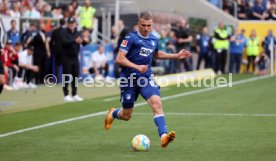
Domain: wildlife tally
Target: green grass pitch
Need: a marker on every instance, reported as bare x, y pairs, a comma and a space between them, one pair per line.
216, 125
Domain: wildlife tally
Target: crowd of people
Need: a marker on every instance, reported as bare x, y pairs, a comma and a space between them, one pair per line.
42, 50
248, 9
40, 8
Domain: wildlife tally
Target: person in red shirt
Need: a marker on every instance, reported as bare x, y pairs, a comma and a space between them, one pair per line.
7, 57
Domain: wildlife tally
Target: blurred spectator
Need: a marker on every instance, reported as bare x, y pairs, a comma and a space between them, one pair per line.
213, 53
86, 16
41, 53
99, 63
262, 62
57, 13
28, 35
252, 49
14, 60
27, 68
184, 40
26, 3
242, 11
6, 8
165, 45
270, 39
221, 45
271, 10
171, 48
15, 12
203, 48
265, 4
31, 12
237, 45
259, 12
46, 11
121, 31
76, 7
9, 67
56, 46
13, 34
216, 3
156, 31
228, 7
114, 35
69, 12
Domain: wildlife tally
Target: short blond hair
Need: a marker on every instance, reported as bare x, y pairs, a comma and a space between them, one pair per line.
146, 16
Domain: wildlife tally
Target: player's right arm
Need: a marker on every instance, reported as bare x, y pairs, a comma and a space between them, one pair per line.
123, 61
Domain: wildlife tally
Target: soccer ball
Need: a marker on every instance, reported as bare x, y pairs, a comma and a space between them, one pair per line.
140, 143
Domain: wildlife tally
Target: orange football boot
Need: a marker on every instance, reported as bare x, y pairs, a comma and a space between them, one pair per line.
108, 119
167, 138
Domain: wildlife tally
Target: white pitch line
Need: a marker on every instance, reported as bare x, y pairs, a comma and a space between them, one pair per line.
138, 104
111, 99
211, 114
53, 124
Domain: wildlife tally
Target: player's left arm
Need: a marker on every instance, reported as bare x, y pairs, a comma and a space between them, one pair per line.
180, 55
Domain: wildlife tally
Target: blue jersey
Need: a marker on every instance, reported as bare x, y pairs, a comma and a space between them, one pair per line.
140, 50
203, 43
237, 48
13, 36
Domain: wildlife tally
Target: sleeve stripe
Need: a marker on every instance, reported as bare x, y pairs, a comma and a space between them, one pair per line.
124, 50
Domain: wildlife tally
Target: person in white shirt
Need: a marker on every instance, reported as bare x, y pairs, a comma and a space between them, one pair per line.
31, 13
15, 12
99, 63
27, 69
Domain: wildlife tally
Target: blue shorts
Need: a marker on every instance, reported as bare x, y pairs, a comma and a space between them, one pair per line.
145, 87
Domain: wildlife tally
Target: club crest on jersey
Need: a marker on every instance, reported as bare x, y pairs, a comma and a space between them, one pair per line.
128, 96
124, 43
145, 51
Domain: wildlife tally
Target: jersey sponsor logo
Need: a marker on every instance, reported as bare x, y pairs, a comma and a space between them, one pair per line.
124, 43
145, 51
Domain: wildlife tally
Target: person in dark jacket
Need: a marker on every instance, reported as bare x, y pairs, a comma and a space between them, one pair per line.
71, 40
123, 31
42, 53
56, 46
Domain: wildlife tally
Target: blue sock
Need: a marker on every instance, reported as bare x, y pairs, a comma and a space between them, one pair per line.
115, 113
160, 122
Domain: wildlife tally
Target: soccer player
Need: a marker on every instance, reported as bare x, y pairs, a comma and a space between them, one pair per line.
135, 56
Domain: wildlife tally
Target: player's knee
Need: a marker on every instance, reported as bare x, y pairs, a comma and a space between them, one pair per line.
156, 104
